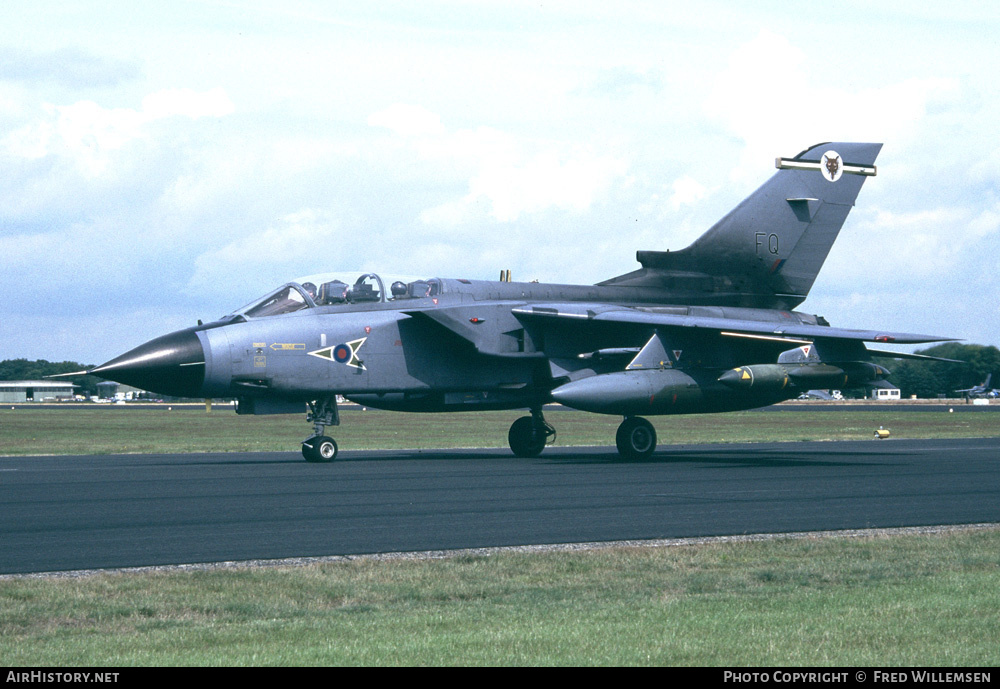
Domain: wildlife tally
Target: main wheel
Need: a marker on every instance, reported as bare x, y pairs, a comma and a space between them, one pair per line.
319, 449
524, 439
636, 438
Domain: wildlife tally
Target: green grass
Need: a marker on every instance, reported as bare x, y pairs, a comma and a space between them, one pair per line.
900, 600
102, 429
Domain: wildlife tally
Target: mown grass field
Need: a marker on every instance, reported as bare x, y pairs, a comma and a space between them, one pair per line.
111, 429
873, 601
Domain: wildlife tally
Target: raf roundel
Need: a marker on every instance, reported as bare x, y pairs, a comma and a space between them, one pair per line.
342, 353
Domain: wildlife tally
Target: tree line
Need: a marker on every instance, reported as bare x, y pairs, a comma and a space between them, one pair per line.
930, 379
23, 369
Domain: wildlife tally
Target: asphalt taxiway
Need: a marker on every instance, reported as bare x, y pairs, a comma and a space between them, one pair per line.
82, 512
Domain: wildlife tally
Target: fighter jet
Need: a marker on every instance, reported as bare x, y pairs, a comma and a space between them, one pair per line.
709, 328
981, 390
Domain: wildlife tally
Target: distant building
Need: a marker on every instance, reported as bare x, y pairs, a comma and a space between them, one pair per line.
885, 392
110, 390
13, 391
106, 389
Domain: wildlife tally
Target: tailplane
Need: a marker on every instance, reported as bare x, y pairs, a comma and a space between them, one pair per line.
767, 251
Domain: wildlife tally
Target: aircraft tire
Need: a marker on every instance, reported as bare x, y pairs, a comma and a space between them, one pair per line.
320, 449
636, 438
523, 440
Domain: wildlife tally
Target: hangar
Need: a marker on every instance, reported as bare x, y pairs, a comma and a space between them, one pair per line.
34, 390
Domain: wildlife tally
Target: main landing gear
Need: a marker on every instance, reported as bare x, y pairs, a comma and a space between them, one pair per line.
528, 436
636, 438
319, 447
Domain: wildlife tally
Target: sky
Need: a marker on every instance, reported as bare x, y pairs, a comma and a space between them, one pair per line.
164, 162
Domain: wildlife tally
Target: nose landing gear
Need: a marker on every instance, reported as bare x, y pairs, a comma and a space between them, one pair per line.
529, 435
318, 447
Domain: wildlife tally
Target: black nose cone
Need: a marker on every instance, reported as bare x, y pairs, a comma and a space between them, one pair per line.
170, 365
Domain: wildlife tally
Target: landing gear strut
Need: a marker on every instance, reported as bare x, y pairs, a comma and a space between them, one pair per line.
636, 438
318, 447
529, 435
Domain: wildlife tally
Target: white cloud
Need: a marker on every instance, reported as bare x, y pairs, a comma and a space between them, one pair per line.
986, 224
408, 120
766, 97
186, 103
687, 191
892, 250
508, 176
566, 180
276, 254
89, 134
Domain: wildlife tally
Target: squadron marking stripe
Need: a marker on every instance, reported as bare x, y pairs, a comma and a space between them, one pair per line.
845, 168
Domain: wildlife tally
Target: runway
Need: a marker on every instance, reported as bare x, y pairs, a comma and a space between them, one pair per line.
82, 512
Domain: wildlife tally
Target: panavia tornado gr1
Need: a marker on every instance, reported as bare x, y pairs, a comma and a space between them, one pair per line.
709, 328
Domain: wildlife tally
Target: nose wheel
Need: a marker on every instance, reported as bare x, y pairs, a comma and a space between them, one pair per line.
529, 435
319, 447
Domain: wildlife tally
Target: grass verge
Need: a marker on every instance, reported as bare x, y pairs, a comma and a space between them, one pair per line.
109, 430
915, 599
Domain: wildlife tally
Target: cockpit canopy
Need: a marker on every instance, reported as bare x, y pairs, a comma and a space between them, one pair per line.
328, 290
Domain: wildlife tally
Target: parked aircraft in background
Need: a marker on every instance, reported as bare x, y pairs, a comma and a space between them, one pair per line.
981, 390
826, 395
709, 328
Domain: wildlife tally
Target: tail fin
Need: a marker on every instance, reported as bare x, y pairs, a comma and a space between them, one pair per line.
768, 250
